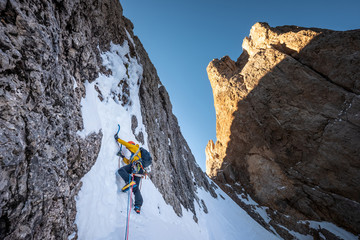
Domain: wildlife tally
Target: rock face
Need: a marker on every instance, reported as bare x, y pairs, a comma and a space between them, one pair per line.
48, 50
175, 172
288, 125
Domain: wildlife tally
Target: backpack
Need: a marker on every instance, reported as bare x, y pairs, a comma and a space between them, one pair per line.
146, 159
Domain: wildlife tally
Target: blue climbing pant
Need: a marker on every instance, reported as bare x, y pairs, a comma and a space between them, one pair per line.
124, 172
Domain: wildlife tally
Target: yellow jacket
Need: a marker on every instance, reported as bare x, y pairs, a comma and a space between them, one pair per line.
132, 148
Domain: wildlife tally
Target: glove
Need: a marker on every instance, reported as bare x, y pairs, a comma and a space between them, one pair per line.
120, 154
116, 137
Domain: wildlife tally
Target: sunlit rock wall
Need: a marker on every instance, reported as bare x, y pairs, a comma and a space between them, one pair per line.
288, 125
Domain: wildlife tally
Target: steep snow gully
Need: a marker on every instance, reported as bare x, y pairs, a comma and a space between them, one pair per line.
101, 206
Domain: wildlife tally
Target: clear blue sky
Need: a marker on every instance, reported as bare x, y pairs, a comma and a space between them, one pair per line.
182, 37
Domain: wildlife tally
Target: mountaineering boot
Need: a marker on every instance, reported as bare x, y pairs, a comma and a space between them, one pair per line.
137, 209
127, 186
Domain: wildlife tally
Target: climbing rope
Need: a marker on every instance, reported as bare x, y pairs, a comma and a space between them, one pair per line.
131, 178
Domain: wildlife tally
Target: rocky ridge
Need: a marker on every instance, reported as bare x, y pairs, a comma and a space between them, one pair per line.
48, 50
288, 127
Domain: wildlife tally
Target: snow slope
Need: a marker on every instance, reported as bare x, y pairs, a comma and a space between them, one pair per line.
101, 207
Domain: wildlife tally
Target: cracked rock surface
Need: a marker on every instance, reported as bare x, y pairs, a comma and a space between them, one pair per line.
288, 125
48, 50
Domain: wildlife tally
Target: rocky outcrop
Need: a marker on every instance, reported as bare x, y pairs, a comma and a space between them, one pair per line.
43, 59
174, 172
48, 50
288, 125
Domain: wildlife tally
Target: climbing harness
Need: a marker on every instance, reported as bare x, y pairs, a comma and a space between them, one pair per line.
137, 166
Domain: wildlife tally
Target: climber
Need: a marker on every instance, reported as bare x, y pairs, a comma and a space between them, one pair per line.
139, 159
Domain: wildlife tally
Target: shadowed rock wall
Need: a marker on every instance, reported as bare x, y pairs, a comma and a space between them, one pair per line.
49, 49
